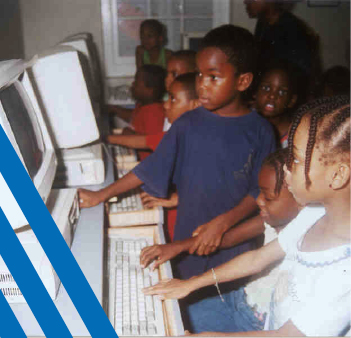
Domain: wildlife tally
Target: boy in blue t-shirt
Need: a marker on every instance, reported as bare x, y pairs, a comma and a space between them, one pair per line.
212, 154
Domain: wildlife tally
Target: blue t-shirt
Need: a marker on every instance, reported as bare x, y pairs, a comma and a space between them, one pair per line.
214, 162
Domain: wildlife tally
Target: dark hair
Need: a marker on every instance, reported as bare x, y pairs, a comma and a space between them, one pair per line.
188, 56
277, 160
235, 42
159, 27
188, 81
338, 79
329, 119
154, 77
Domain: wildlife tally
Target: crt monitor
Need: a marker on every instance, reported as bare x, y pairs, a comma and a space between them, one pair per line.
58, 79
83, 42
23, 123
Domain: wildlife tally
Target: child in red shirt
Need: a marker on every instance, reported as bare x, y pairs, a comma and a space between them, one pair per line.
147, 118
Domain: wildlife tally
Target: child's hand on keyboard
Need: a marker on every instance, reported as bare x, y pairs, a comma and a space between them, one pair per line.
159, 254
88, 198
171, 289
151, 201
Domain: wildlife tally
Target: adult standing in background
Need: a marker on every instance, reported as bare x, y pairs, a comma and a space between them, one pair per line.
281, 35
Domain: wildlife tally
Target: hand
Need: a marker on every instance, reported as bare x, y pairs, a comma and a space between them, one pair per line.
152, 201
88, 198
158, 253
208, 237
170, 288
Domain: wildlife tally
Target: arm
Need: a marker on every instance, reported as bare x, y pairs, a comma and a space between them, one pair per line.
88, 198
131, 141
209, 235
242, 232
247, 264
123, 113
150, 201
164, 252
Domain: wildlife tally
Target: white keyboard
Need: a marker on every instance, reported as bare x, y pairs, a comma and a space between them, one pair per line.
130, 311
129, 201
124, 154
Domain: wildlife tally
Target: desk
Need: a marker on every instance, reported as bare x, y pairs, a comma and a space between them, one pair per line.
87, 248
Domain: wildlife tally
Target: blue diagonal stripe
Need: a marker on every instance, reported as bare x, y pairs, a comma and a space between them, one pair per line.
53, 243
29, 283
12, 328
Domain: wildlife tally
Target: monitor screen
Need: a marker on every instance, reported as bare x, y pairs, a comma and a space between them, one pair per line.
22, 120
28, 139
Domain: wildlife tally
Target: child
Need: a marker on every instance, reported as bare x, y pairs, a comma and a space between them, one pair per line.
180, 62
182, 97
275, 98
212, 154
148, 117
278, 208
151, 50
312, 294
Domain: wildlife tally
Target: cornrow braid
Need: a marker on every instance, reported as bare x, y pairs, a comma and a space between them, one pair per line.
329, 122
276, 161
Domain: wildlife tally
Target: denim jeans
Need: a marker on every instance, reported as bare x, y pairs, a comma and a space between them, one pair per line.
234, 315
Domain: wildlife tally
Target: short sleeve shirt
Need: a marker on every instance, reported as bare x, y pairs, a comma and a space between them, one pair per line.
214, 162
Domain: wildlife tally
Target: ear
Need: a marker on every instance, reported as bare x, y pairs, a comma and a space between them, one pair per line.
292, 101
244, 81
341, 176
194, 103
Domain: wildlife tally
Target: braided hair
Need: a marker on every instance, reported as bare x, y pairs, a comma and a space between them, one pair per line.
276, 161
329, 119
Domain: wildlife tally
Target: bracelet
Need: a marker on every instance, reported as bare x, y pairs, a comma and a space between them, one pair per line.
217, 286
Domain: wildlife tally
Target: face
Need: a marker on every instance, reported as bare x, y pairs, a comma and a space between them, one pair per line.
139, 90
149, 38
216, 83
318, 173
276, 210
274, 96
175, 67
178, 102
254, 7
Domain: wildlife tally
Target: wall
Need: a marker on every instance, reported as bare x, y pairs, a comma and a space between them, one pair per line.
11, 37
331, 23
47, 22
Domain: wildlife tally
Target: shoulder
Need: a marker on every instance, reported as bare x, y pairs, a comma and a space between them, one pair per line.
260, 122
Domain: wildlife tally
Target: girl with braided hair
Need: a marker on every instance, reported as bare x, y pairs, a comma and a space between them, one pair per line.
312, 293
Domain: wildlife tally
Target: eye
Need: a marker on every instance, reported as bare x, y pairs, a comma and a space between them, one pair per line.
198, 74
213, 77
174, 74
265, 88
282, 92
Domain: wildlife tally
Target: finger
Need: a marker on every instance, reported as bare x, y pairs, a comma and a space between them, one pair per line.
159, 261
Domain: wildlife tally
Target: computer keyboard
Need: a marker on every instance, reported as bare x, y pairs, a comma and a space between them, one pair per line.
130, 311
128, 210
124, 154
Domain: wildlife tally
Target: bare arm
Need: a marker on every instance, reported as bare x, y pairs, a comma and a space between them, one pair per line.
209, 235
242, 232
123, 113
247, 264
88, 198
131, 141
